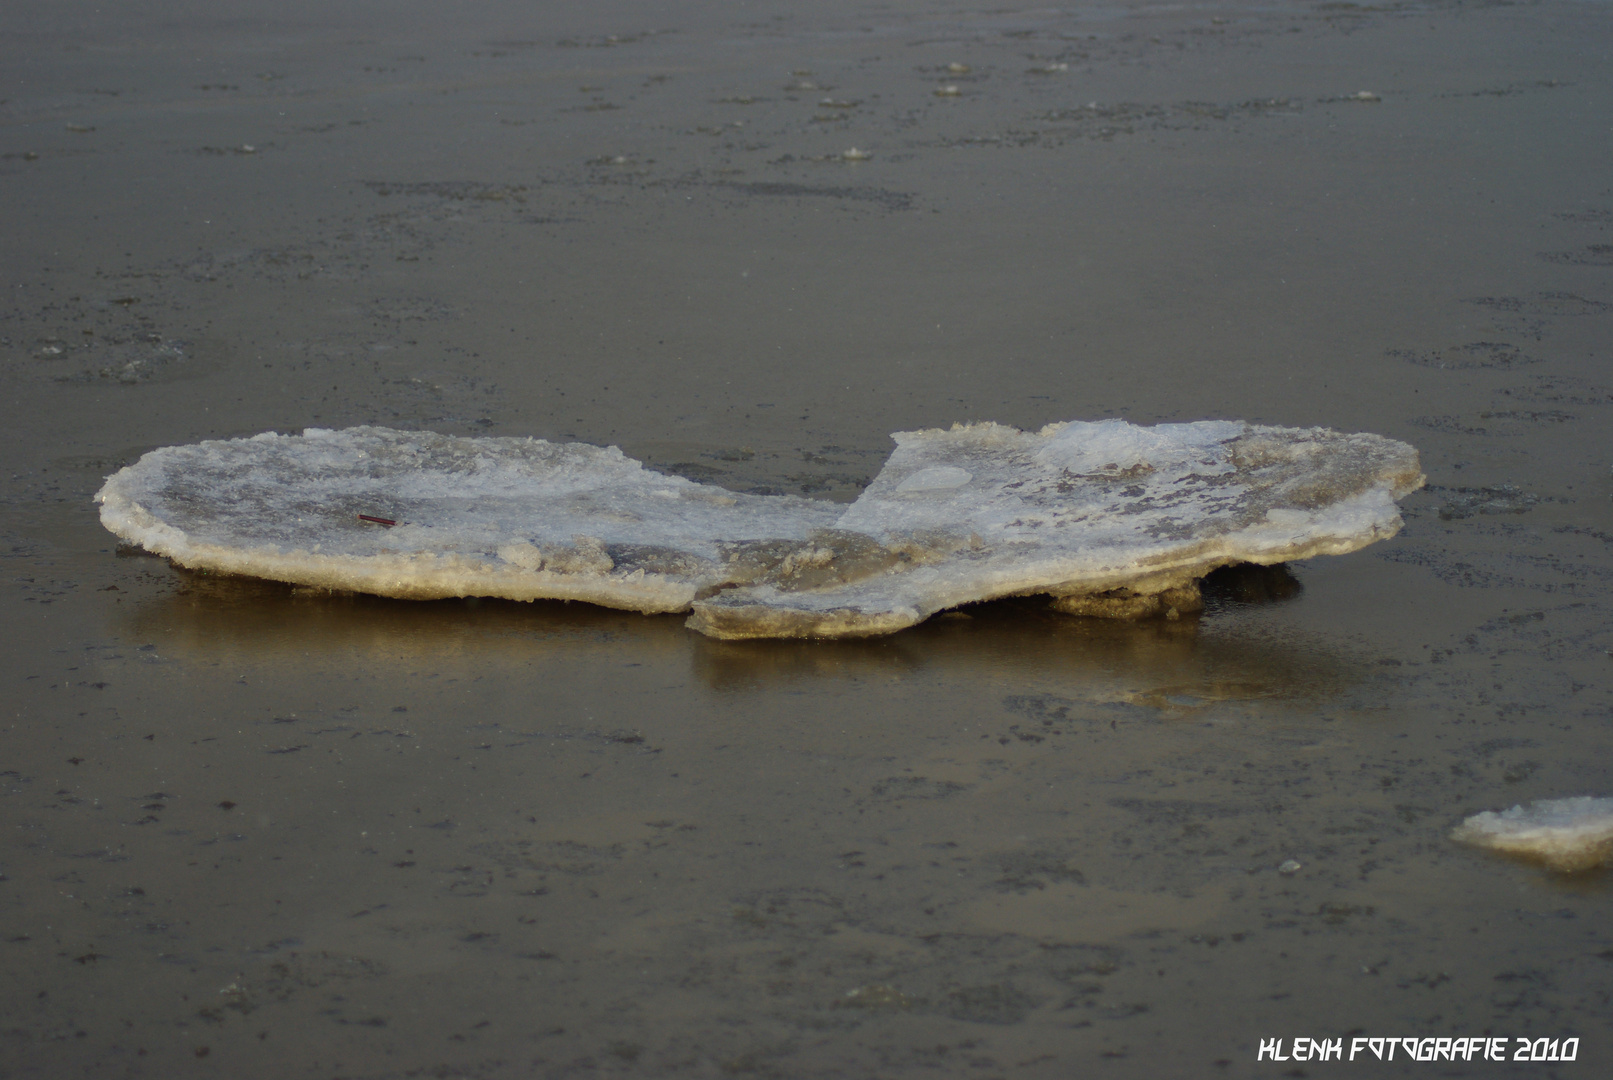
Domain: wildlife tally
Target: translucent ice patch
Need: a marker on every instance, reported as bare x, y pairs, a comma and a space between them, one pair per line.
1109, 518
1080, 447
1566, 834
940, 478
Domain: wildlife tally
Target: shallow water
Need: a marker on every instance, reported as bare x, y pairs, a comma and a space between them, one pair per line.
254, 831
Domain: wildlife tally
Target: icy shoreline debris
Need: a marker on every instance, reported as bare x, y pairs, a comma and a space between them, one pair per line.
1109, 518
1567, 835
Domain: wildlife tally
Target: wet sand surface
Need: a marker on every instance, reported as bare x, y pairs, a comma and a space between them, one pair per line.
253, 831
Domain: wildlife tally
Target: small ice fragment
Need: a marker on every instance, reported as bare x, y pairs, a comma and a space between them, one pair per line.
940, 478
1292, 866
1366, 95
1567, 835
855, 154
948, 90
956, 68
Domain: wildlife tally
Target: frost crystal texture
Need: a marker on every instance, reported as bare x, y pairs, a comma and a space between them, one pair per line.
1109, 518
1566, 834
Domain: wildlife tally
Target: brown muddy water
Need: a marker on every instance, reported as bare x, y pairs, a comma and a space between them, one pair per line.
248, 831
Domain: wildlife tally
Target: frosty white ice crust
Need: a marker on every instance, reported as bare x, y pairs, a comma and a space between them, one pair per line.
1567, 835
1109, 518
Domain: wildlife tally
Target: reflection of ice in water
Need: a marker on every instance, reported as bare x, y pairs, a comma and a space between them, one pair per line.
1103, 669
1111, 518
1565, 834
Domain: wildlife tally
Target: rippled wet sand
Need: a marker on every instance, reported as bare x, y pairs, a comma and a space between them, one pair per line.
253, 831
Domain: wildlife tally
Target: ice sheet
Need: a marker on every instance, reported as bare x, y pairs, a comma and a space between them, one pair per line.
1103, 515
1566, 834
1111, 518
521, 519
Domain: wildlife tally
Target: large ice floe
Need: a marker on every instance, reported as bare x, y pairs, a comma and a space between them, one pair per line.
1108, 518
1568, 835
